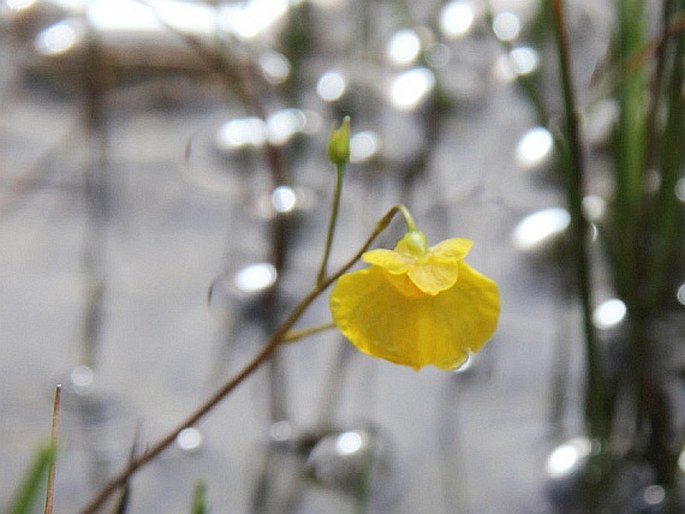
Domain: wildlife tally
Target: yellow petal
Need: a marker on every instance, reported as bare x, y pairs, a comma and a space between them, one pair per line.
456, 248
470, 309
434, 274
438, 330
390, 260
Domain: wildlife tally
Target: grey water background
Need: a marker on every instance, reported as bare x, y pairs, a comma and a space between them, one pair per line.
179, 215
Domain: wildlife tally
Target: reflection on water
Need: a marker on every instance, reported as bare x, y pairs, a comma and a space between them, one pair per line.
331, 86
278, 129
255, 278
456, 19
609, 313
410, 88
283, 199
189, 439
404, 47
82, 380
654, 495
240, 133
275, 66
247, 20
541, 229
534, 148
506, 26
59, 38
351, 442
680, 295
568, 458
364, 146
524, 60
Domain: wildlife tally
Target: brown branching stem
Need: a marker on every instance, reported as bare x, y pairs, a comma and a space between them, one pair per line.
278, 337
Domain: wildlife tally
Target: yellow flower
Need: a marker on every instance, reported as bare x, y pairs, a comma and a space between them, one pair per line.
417, 305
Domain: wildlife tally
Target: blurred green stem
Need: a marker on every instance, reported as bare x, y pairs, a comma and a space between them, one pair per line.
572, 162
630, 145
335, 207
670, 165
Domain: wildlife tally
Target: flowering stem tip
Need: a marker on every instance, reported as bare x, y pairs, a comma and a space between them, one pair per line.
339, 143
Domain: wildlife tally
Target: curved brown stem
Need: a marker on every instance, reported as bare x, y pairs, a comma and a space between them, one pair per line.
274, 341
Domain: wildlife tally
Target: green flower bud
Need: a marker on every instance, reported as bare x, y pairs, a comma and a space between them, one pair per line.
413, 243
339, 143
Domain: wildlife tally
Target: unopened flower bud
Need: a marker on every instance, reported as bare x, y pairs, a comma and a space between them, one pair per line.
339, 143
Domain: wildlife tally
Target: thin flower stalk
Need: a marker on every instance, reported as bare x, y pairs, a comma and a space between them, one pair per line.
258, 360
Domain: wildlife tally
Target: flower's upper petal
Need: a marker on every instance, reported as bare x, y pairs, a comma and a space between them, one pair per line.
435, 274
391, 261
456, 248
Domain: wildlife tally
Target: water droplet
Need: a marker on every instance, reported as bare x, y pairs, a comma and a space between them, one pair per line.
283, 199
534, 148
343, 459
456, 19
466, 365
247, 20
59, 38
680, 295
411, 87
506, 26
348, 443
18, 5
568, 457
594, 208
275, 66
82, 379
255, 278
540, 229
609, 313
654, 495
680, 189
241, 133
404, 47
363, 146
189, 439
331, 86
524, 60
282, 125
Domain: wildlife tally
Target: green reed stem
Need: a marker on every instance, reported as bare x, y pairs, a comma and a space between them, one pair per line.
630, 145
672, 156
572, 161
